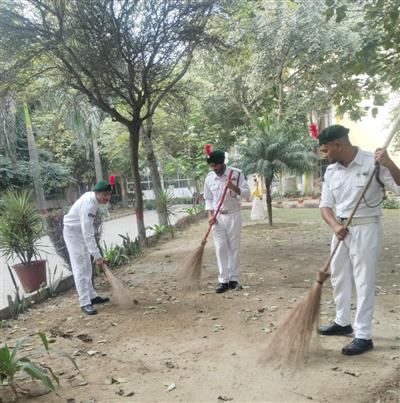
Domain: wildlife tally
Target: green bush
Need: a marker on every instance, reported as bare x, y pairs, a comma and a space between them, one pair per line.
21, 227
150, 204
391, 203
11, 363
292, 193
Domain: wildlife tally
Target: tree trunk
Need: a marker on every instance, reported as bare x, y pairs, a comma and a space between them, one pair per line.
34, 160
97, 162
145, 135
134, 129
124, 194
280, 99
269, 201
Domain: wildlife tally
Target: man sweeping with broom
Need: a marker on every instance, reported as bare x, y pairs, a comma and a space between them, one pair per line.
227, 225
81, 243
358, 251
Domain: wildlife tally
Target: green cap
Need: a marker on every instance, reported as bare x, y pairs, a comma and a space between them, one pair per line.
331, 133
216, 157
102, 186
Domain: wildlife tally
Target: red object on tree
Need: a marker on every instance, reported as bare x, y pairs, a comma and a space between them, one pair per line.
111, 179
207, 149
313, 130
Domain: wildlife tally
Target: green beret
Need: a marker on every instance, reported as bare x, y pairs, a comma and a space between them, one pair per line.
331, 133
216, 157
102, 186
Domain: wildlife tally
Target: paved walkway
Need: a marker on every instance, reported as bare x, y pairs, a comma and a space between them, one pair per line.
111, 230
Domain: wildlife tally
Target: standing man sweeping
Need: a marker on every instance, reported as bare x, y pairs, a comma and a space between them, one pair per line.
358, 252
81, 243
227, 225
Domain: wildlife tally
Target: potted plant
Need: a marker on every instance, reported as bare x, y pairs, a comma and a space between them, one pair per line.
21, 228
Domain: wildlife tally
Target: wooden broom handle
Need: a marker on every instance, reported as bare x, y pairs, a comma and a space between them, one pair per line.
395, 127
218, 207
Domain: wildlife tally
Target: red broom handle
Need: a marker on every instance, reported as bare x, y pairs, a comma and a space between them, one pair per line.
393, 131
204, 240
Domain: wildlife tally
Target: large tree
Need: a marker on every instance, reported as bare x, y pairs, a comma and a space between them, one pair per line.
124, 56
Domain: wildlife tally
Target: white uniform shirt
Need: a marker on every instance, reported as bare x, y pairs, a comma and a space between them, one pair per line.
214, 187
342, 186
81, 216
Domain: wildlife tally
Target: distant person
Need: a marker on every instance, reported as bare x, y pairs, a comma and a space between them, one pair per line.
257, 206
81, 243
228, 224
358, 252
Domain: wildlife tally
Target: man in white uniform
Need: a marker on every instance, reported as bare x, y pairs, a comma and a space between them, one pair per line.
358, 251
81, 243
227, 226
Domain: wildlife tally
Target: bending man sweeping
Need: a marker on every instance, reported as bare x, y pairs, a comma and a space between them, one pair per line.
81, 243
228, 224
358, 252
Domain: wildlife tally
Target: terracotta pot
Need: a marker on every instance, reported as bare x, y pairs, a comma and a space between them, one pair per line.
32, 275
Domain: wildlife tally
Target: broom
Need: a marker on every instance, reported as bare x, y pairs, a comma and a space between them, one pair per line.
189, 276
290, 343
121, 295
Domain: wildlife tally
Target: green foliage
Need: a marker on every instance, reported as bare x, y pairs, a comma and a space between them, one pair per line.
114, 255
16, 305
11, 363
21, 227
292, 194
158, 229
53, 281
150, 204
164, 202
192, 211
391, 203
131, 248
274, 147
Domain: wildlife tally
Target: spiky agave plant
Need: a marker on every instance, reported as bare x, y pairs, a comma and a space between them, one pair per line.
21, 227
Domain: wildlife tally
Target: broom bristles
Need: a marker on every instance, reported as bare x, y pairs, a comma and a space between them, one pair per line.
290, 343
189, 277
121, 295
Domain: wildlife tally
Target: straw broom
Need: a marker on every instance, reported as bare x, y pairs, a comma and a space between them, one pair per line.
121, 295
290, 343
189, 276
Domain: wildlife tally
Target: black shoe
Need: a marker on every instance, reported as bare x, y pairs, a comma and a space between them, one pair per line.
222, 287
99, 300
88, 309
233, 285
358, 346
335, 330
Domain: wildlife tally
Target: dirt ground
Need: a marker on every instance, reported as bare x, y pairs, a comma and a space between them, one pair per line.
206, 347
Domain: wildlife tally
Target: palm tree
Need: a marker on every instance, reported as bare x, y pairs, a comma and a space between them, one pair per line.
275, 147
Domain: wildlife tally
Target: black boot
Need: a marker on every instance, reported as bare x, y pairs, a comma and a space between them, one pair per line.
335, 330
88, 309
358, 346
99, 300
222, 287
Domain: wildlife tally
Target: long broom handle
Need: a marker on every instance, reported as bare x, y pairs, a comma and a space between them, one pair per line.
204, 240
395, 127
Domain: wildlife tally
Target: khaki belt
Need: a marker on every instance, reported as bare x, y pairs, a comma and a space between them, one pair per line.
229, 211
360, 220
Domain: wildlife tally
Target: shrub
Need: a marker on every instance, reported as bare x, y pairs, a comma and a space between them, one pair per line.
150, 204
391, 203
11, 363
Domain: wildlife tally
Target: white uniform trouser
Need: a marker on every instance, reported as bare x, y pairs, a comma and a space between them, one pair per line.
357, 255
227, 245
81, 265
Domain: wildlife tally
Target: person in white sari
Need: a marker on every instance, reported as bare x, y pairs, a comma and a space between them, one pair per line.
257, 208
